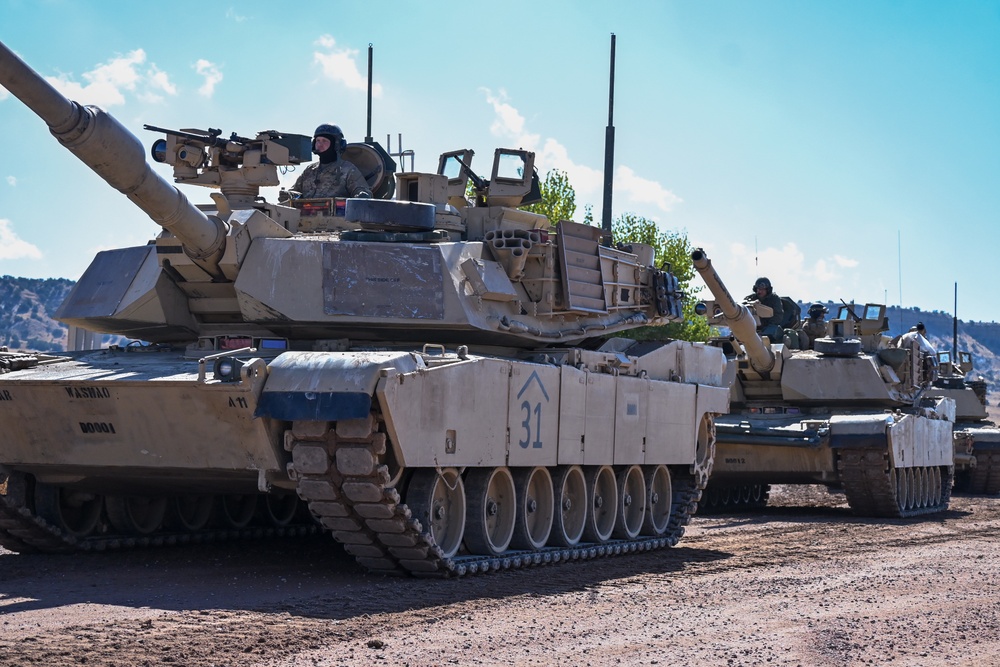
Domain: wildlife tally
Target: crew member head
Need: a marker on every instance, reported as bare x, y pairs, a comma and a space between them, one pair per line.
328, 142
817, 311
762, 287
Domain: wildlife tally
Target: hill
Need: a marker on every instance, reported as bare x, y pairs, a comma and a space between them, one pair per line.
26, 309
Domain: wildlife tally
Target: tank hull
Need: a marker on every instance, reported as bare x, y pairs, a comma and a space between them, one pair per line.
977, 440
877, 458
354, 434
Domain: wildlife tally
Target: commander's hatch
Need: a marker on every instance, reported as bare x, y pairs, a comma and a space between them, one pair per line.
457, 166
514, 182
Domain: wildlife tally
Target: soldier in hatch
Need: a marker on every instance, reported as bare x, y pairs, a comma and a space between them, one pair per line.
769, 326
331, 176
815, 324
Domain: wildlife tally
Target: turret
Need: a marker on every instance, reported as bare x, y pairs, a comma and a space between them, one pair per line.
428, 265
117, 156
738, 317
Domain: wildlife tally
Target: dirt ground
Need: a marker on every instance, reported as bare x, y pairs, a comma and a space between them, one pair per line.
801, 583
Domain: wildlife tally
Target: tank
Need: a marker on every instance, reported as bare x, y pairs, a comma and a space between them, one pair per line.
977, 438
429, 376
850, 412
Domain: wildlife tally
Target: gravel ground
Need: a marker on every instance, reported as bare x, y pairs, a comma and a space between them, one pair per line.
802, 583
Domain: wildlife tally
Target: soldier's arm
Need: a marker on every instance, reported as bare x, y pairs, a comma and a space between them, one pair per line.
300, 182
357, 185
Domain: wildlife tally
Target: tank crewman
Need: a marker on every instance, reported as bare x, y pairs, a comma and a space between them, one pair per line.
769, 326
331, 176
916, 334
928, 355
815, 324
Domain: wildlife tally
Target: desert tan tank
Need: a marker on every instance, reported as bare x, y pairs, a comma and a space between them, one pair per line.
977, 438
851, 412
426, 373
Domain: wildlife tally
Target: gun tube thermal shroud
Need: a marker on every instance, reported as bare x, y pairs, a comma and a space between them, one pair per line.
117, 156
738, 317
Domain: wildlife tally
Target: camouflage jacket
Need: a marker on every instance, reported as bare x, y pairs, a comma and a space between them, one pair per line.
334, 179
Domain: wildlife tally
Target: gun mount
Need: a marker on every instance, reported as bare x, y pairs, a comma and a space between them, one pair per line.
851, 410
238, 166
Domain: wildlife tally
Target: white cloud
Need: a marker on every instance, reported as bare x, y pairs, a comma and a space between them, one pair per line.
845, 262
12, 246
210, 71
588, 182
105, 83
12, 181
644, 191
509, 123
231, 14
585, 180
802, 274
160, 80
4, 93
341, 66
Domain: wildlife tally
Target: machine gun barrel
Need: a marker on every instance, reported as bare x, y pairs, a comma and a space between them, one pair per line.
738, 317
117, 156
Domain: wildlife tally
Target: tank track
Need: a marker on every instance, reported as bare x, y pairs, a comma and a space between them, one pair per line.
340, 472
872, 487
725, 498
984, 477
23, 531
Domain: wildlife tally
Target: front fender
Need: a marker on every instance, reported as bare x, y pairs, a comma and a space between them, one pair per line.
327, 386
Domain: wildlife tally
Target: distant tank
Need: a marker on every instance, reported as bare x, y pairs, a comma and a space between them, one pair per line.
977, 439
850, 413
426, 373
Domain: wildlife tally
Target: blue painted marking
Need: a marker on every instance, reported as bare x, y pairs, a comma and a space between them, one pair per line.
534, 376
313, 406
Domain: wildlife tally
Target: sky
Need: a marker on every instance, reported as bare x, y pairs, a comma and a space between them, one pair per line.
846, 150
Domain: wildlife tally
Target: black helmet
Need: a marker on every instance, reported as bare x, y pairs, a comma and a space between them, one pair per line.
920, 327
817, 309
334, 134
762, 282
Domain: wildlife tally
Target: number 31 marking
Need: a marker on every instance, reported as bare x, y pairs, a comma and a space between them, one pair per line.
527, 409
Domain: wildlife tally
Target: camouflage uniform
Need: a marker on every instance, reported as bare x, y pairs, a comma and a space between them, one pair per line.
334, 179
815, 328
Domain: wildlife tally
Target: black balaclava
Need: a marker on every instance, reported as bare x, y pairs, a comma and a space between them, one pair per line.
330, 154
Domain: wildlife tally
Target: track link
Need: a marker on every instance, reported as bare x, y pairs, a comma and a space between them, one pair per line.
872, 488
984, 478
340, 472
725, 498
23, 531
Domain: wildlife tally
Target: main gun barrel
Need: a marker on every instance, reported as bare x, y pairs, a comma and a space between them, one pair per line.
738, 317
117, 156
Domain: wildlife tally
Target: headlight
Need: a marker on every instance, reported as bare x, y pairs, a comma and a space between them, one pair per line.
227, 369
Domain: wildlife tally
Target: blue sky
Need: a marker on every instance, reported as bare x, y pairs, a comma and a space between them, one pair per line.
831, 146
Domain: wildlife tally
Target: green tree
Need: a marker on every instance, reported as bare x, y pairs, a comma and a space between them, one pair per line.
558, 197
559, 203
673, 249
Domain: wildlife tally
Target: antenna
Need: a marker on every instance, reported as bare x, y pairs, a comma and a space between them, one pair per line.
368, 136
954, 327
899, 264
609, 153
400, 153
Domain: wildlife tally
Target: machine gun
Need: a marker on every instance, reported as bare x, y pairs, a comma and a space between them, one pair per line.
239, 166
